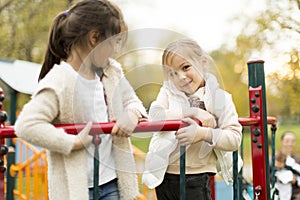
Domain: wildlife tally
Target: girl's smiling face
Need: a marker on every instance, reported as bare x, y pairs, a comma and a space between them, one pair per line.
288, 143
186, 77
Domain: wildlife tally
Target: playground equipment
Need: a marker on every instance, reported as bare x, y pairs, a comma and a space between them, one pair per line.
258, 122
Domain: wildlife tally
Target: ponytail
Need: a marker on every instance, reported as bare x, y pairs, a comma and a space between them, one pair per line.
56, 50
70, 29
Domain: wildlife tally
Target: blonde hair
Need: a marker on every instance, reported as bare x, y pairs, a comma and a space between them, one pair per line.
187, 49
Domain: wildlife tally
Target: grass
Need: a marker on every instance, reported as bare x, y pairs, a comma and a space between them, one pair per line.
141, 141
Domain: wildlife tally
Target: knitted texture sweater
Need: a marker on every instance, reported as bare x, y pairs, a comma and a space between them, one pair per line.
202, 156
54, 103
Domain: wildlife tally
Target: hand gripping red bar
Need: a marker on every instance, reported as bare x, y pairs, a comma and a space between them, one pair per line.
143, 126
106, 127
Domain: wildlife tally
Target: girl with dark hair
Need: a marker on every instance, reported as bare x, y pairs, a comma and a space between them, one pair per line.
81, 83
288, 144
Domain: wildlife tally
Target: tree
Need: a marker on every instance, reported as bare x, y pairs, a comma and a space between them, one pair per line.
231, 77
287, 87
24, 28
274, 31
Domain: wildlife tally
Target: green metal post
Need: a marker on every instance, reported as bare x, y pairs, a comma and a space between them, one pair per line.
182, 173
10, 182
13, 106
236, 187
256, 78
240, 175
236, 179
96, 141
11, 156
273, 130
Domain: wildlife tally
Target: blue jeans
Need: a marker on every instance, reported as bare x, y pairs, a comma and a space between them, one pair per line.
107, 191
197, 187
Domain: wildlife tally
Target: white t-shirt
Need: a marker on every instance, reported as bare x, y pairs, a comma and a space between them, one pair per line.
91, 96
283, 183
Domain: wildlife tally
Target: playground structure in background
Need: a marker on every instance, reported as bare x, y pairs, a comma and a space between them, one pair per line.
258, 122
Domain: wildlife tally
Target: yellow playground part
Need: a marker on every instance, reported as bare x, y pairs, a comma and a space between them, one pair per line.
30, 172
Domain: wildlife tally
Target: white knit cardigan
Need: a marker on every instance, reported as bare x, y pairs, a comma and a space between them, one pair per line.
226, 137
53, 104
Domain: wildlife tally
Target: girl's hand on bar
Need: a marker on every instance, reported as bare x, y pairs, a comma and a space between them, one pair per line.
193, 133
83, 138
126, 124
207, 119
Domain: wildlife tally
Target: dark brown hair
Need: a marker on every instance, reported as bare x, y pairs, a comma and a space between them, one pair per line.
70, 28
287, 133
280, 157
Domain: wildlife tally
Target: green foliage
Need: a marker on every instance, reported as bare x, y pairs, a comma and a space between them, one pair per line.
286, 84
146, 80
275, 32
24, 28
141, 143
24, 32
231, 74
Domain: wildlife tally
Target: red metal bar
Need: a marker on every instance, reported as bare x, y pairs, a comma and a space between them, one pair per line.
212, 187
143, 126
1, 174
248, 121
106, 127
7, 132
1, 143
258, 144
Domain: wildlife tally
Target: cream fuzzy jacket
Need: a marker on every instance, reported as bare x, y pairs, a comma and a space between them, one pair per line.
226, 137
54, 103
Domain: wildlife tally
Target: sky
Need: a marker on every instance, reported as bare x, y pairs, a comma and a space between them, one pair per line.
209, 22
206, 21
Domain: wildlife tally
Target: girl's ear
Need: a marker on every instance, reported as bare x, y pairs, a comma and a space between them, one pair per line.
93, 37
204, 62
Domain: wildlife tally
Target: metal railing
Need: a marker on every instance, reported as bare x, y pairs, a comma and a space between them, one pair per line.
30, 172
257, 121
97, 128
